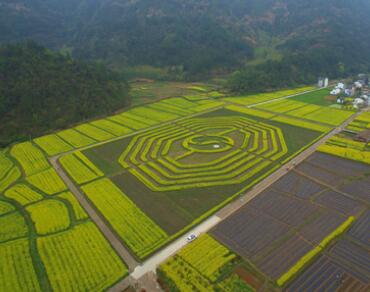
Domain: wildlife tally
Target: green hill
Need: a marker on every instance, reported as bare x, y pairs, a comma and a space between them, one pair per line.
41, 90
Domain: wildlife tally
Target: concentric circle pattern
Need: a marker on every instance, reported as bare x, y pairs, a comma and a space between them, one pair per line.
202, 152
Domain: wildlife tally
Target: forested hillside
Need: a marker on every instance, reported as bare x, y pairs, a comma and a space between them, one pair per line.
41, 90
307, 38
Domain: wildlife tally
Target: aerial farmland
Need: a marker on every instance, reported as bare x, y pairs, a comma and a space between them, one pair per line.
273, 185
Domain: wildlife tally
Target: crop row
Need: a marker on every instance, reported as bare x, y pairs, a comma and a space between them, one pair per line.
344, 142
237, 177
207, 256
171, 133
199, 266
250, 111
5, 164
75, 255
5, 208
156, 115
80, 168
136, 229
330, 116
52, 144
12, 226
30, 157
301, 123
348, 153
49, 216
262, 97
9, 178
80, 259
16, 267
170, 108
47, 181
184, 276
23, 194
76, 139
111, 127
304, 111
314, 252
283, 106
94, 132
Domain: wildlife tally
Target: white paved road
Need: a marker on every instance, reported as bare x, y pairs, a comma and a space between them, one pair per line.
159, 257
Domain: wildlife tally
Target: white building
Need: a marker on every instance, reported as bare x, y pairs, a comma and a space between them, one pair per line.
335, 91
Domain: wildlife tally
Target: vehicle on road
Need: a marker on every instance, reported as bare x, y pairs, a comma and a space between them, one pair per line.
191, 237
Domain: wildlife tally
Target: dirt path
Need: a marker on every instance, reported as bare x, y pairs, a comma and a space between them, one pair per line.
115, 242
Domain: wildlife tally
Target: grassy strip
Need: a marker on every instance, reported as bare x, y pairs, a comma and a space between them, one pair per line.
312, 253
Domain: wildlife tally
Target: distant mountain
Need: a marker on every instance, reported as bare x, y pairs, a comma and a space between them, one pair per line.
198, 35
41, 91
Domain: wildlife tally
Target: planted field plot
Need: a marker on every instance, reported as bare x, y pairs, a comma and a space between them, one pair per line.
311, 112
207, 256
361, 123
5, 164
75, 138
360, 230
298, 185
346, 148
9, 178
358, 188
78, 211
47, 242
111, 127
291, 211
353, 258
16, 268
263, 97
48, 182
249, 232
339, 202
49, 216
155, 158
12, 226
137, 230
200, 266
181, 172
52, 144
23, 194
325, 275
80, 259
284, 228
318, 97
80, 168
94, 132
5, 208
30, 158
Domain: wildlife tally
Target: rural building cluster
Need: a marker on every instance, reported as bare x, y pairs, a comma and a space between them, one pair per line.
355, 93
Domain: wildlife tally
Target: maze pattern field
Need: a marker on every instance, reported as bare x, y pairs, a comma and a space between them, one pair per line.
179, 173
203, 152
